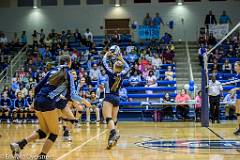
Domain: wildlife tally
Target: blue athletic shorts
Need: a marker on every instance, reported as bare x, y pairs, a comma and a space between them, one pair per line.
61, 104
43, 103
113, 99
238, 94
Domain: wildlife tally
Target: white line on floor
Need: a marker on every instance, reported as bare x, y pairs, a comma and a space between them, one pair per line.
83, 144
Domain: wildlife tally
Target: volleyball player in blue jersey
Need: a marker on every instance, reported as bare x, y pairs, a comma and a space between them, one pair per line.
237, 91
47, 93
111, 101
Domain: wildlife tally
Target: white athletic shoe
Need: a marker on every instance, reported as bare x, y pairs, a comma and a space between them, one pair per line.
15, 150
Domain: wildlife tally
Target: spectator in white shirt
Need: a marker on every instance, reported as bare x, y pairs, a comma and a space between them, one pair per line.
88, 35
95, 73
135, 79
230, 100
156, 61
151, 81
214, 92
129, 48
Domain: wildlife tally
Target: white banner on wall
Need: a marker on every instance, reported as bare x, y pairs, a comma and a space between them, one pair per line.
219, 30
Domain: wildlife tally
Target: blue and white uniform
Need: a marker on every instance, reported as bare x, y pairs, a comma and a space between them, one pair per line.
115, 82
48, 96
237, 77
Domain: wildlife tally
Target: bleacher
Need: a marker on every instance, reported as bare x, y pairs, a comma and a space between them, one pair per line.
223, 78
138, 97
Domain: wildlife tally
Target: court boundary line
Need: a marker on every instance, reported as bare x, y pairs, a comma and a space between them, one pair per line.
81, 145
215, 133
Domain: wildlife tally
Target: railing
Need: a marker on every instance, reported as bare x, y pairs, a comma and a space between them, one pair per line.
15, 62
189, 62
3, 75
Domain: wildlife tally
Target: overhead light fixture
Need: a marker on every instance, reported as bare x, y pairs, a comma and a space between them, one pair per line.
117, 3
35, 5
179, 3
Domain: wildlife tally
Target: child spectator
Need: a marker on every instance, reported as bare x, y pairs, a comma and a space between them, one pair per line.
198, 101
169, 74
151, 81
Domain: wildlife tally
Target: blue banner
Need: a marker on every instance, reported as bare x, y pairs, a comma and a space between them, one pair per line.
148, 32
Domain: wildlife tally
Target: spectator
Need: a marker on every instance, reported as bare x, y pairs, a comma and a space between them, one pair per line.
19, 108
23, 90
100, 92
166, 38
15, 39
3, 39
15, 84
168, 56
88, 37
157, 21
116, 38
230, 101
156, 61
225, 19
42, 36
132, 56
123, 94
77, 35
5, 107
130, 47
168, 109
95, 73
28, 105
210, 19
151, 81
23, 38
212, 40
95, 105
169, 74
227, 67
201, 52
198, 101
48, 42
182, 107
103, 78
35, 38
147, 21
6, 89
215, 91
135, 79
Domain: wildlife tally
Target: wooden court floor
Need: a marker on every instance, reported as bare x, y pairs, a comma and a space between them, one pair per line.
139, 141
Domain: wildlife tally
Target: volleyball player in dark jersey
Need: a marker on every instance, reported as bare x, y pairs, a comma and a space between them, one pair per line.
111, 100
47, 92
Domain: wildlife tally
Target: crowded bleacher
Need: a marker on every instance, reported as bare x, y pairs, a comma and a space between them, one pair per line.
151, 77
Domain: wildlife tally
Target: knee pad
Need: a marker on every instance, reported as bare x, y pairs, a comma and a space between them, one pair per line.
238, 115
115, 123
52, 137
108, 119
41, 134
